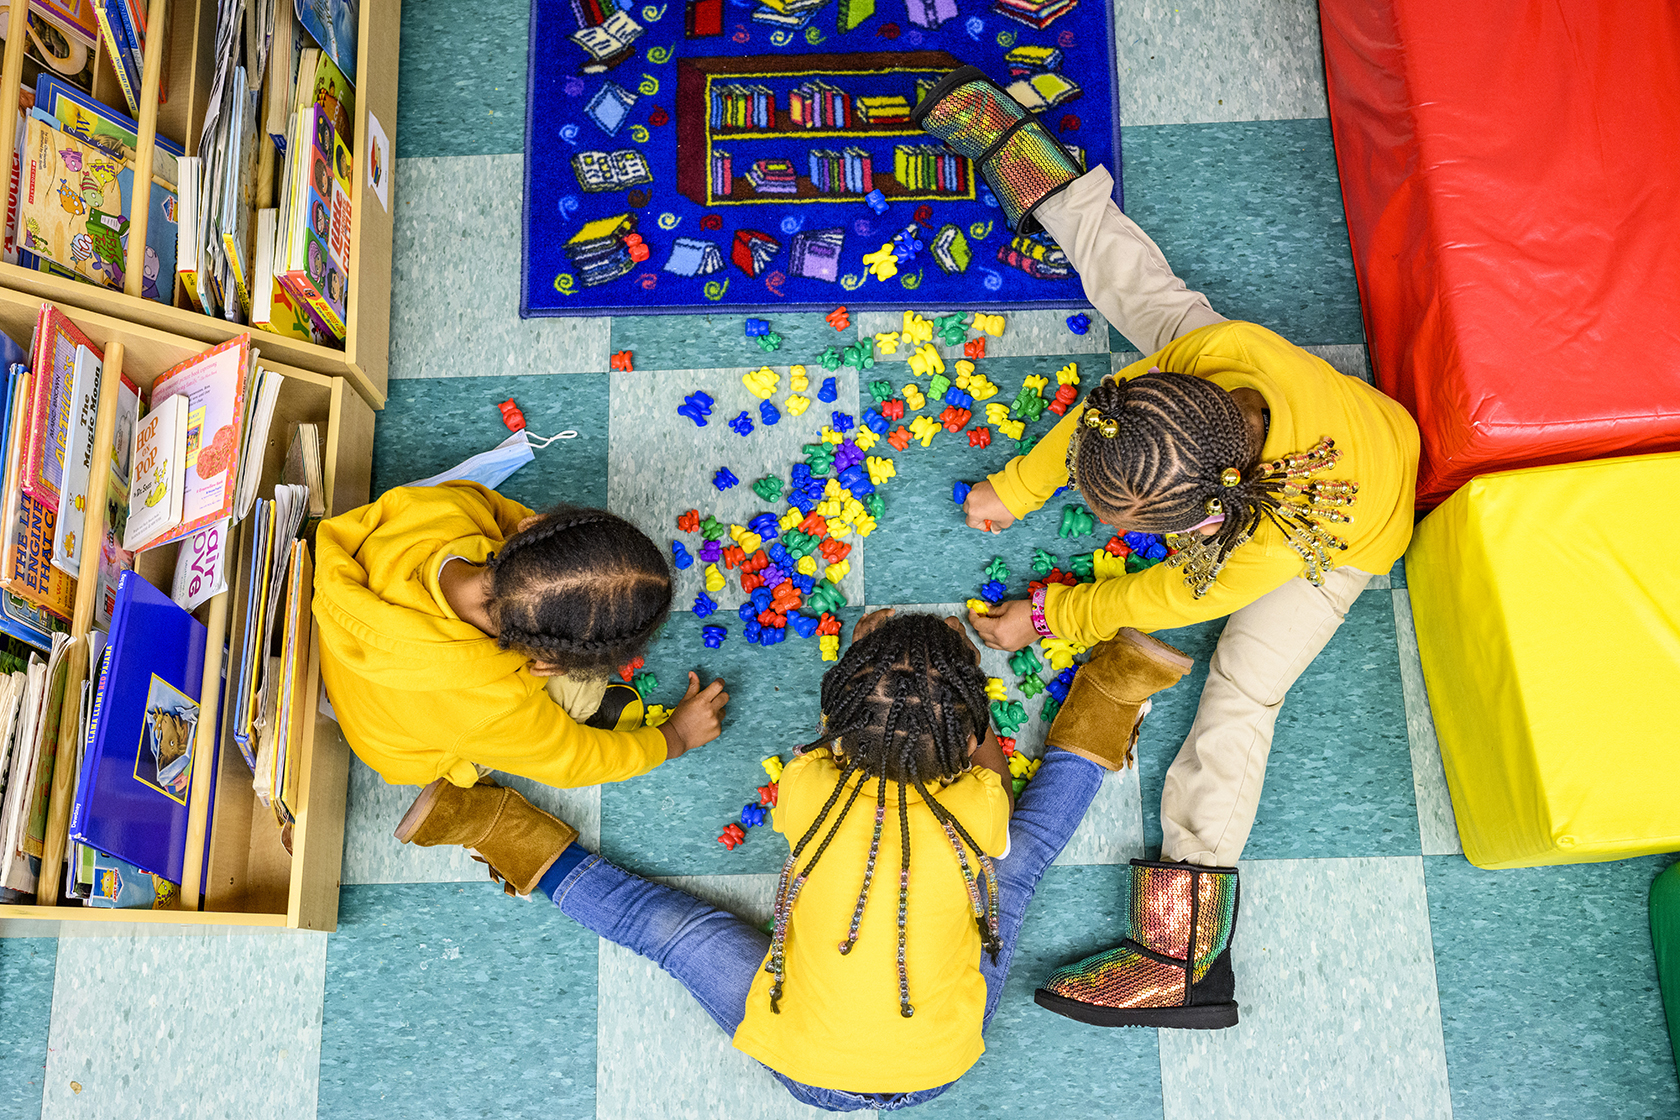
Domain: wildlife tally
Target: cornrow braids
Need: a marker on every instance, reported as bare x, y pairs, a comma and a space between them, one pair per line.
1166, 451
901, 706
582, 589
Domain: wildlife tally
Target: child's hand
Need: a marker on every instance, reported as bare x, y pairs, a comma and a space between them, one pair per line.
985, 510
1007, 626
697, 720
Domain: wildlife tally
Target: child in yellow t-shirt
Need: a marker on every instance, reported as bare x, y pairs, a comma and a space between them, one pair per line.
897, 911
1282, 485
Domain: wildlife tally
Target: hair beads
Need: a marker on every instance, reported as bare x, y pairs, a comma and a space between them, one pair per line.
904, 701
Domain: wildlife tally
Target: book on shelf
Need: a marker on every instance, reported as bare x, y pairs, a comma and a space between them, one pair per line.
742, 106
96, 123
131, 795
290, 706
850, 171
154, 498
303, 467
119, 49
16, 871
315, 231
46, 745
57, 43
924, 167
204, 476
14, 686
73, 210
53, 353
816, 104
116, 884
21, 619
264, 558
332, 24
722, 173
79, 465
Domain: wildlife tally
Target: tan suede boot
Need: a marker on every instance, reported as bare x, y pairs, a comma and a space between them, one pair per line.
1099, 719
518, 840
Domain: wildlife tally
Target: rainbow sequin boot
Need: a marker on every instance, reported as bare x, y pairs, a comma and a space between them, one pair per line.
1174, 970
1016, 155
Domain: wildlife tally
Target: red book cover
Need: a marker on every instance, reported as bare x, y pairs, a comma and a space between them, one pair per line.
53, 364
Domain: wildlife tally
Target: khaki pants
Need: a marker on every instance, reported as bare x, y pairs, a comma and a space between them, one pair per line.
1212, 789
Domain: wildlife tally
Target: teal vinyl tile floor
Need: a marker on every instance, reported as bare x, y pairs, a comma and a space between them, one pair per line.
1380, 975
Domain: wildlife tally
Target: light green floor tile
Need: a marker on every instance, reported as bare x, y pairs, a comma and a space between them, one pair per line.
455, 268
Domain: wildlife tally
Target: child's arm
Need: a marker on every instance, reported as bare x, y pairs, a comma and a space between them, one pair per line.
538, 740
988, 753
1158, 599
1027, 481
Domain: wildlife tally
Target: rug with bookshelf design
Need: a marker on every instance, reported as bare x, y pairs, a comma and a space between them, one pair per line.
692, 155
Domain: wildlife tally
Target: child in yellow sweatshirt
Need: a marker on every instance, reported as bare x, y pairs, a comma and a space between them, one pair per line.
445, 613
1282, 485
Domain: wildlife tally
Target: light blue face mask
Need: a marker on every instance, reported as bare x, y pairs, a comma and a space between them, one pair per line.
492, 468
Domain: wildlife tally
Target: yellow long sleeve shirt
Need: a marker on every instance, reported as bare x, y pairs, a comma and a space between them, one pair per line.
1308, 400
422, 694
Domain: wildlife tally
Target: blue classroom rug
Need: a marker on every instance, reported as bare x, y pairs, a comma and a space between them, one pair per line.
707, 154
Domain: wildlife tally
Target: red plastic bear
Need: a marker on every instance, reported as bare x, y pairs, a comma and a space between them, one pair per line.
733, 834
980, 437
689, 522
975, 348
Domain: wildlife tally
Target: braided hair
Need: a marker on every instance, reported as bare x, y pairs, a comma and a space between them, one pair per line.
901, 706
1155, 453
582, 589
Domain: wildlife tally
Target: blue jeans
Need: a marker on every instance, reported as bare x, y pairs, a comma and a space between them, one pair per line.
716, 955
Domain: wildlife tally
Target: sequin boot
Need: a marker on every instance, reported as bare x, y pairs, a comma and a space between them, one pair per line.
1110, 692
1175, 968
1017, 156
497, 825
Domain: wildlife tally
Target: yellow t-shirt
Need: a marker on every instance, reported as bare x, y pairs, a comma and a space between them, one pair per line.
839, 1026
1309, 400
422, 694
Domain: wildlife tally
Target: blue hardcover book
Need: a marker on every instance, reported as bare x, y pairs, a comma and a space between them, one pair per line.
132, 798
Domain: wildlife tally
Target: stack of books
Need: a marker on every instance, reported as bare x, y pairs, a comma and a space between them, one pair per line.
1037, 256
923, 167
773, 176
601, 250
846, 172
742, 107
881, 110
1034, 13
816, 104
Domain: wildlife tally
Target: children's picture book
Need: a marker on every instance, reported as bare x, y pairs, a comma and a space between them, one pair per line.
332, 24
154, 496
117, 884
47, 747
75, 17
52, 402
78, 463
98, 124
58, 46
73, 210
19, 618
26, 568
314, 267
214, 384
131, 800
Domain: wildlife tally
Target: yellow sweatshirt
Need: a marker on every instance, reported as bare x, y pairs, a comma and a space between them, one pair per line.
1309, 400
422, 694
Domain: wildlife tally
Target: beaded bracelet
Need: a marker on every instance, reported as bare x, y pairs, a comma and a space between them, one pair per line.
1039, 625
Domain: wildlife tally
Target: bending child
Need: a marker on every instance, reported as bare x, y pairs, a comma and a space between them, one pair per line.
1282, 484
897, 911
462, 633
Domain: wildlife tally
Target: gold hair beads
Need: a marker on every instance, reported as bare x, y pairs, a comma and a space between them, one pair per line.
1106, 426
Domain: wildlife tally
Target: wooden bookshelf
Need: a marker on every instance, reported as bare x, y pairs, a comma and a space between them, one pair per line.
251, 880
190, 27
784, 138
